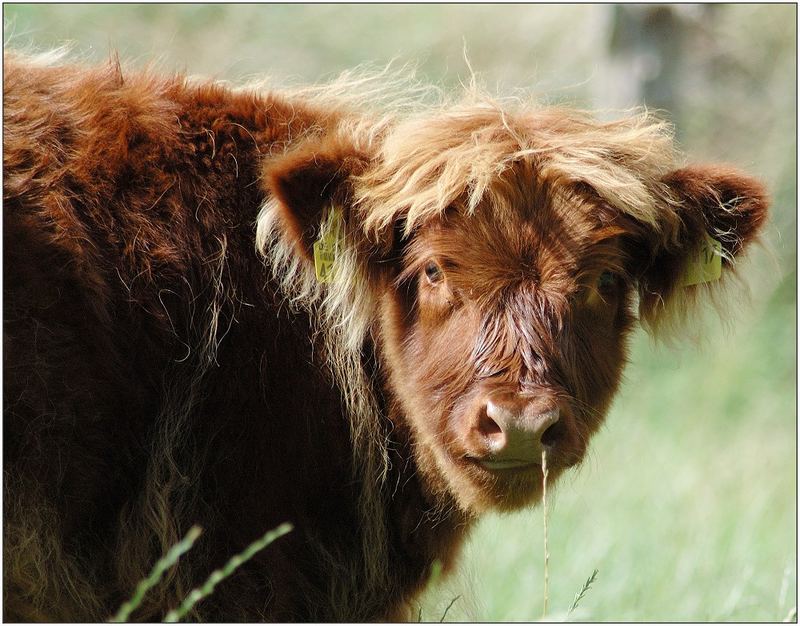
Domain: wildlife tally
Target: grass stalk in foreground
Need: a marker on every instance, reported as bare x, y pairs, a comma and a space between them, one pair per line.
221, 574
579, 596
449, 606
544, 517
161, 566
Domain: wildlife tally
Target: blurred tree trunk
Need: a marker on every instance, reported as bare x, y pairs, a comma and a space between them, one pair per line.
648, 44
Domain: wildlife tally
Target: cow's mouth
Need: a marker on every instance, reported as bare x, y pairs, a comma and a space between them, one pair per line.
504, 465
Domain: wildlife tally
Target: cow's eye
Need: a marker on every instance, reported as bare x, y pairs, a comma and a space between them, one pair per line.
608, 280
433, 272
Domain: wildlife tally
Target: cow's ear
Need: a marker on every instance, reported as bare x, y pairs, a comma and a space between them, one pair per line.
306, 182
707, 204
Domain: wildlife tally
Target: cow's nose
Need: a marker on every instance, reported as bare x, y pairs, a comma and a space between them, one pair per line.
513, 426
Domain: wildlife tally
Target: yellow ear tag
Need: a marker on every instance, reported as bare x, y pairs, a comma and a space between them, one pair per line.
705, 265
327, 246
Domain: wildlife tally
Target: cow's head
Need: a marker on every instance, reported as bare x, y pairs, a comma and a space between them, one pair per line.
509, 256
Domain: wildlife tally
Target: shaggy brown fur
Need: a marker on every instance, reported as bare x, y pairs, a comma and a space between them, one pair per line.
171, 360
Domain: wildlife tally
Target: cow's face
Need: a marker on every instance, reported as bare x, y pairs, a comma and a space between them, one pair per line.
504, 335
502, 299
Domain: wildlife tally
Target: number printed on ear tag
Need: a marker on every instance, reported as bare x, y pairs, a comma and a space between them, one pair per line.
705, 265
327, 246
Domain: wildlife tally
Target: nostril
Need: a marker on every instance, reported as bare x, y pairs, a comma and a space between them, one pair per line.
551, 436
487, 426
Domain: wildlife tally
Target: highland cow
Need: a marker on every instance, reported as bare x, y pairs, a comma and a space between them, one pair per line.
236, 307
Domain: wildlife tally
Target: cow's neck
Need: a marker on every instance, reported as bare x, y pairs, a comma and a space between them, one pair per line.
426, 526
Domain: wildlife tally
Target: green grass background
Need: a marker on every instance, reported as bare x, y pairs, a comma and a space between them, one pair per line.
687, 503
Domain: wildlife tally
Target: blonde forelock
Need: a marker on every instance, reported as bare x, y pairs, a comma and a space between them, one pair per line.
455, 154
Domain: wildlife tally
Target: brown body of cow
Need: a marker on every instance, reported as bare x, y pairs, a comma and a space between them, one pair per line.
171, 358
